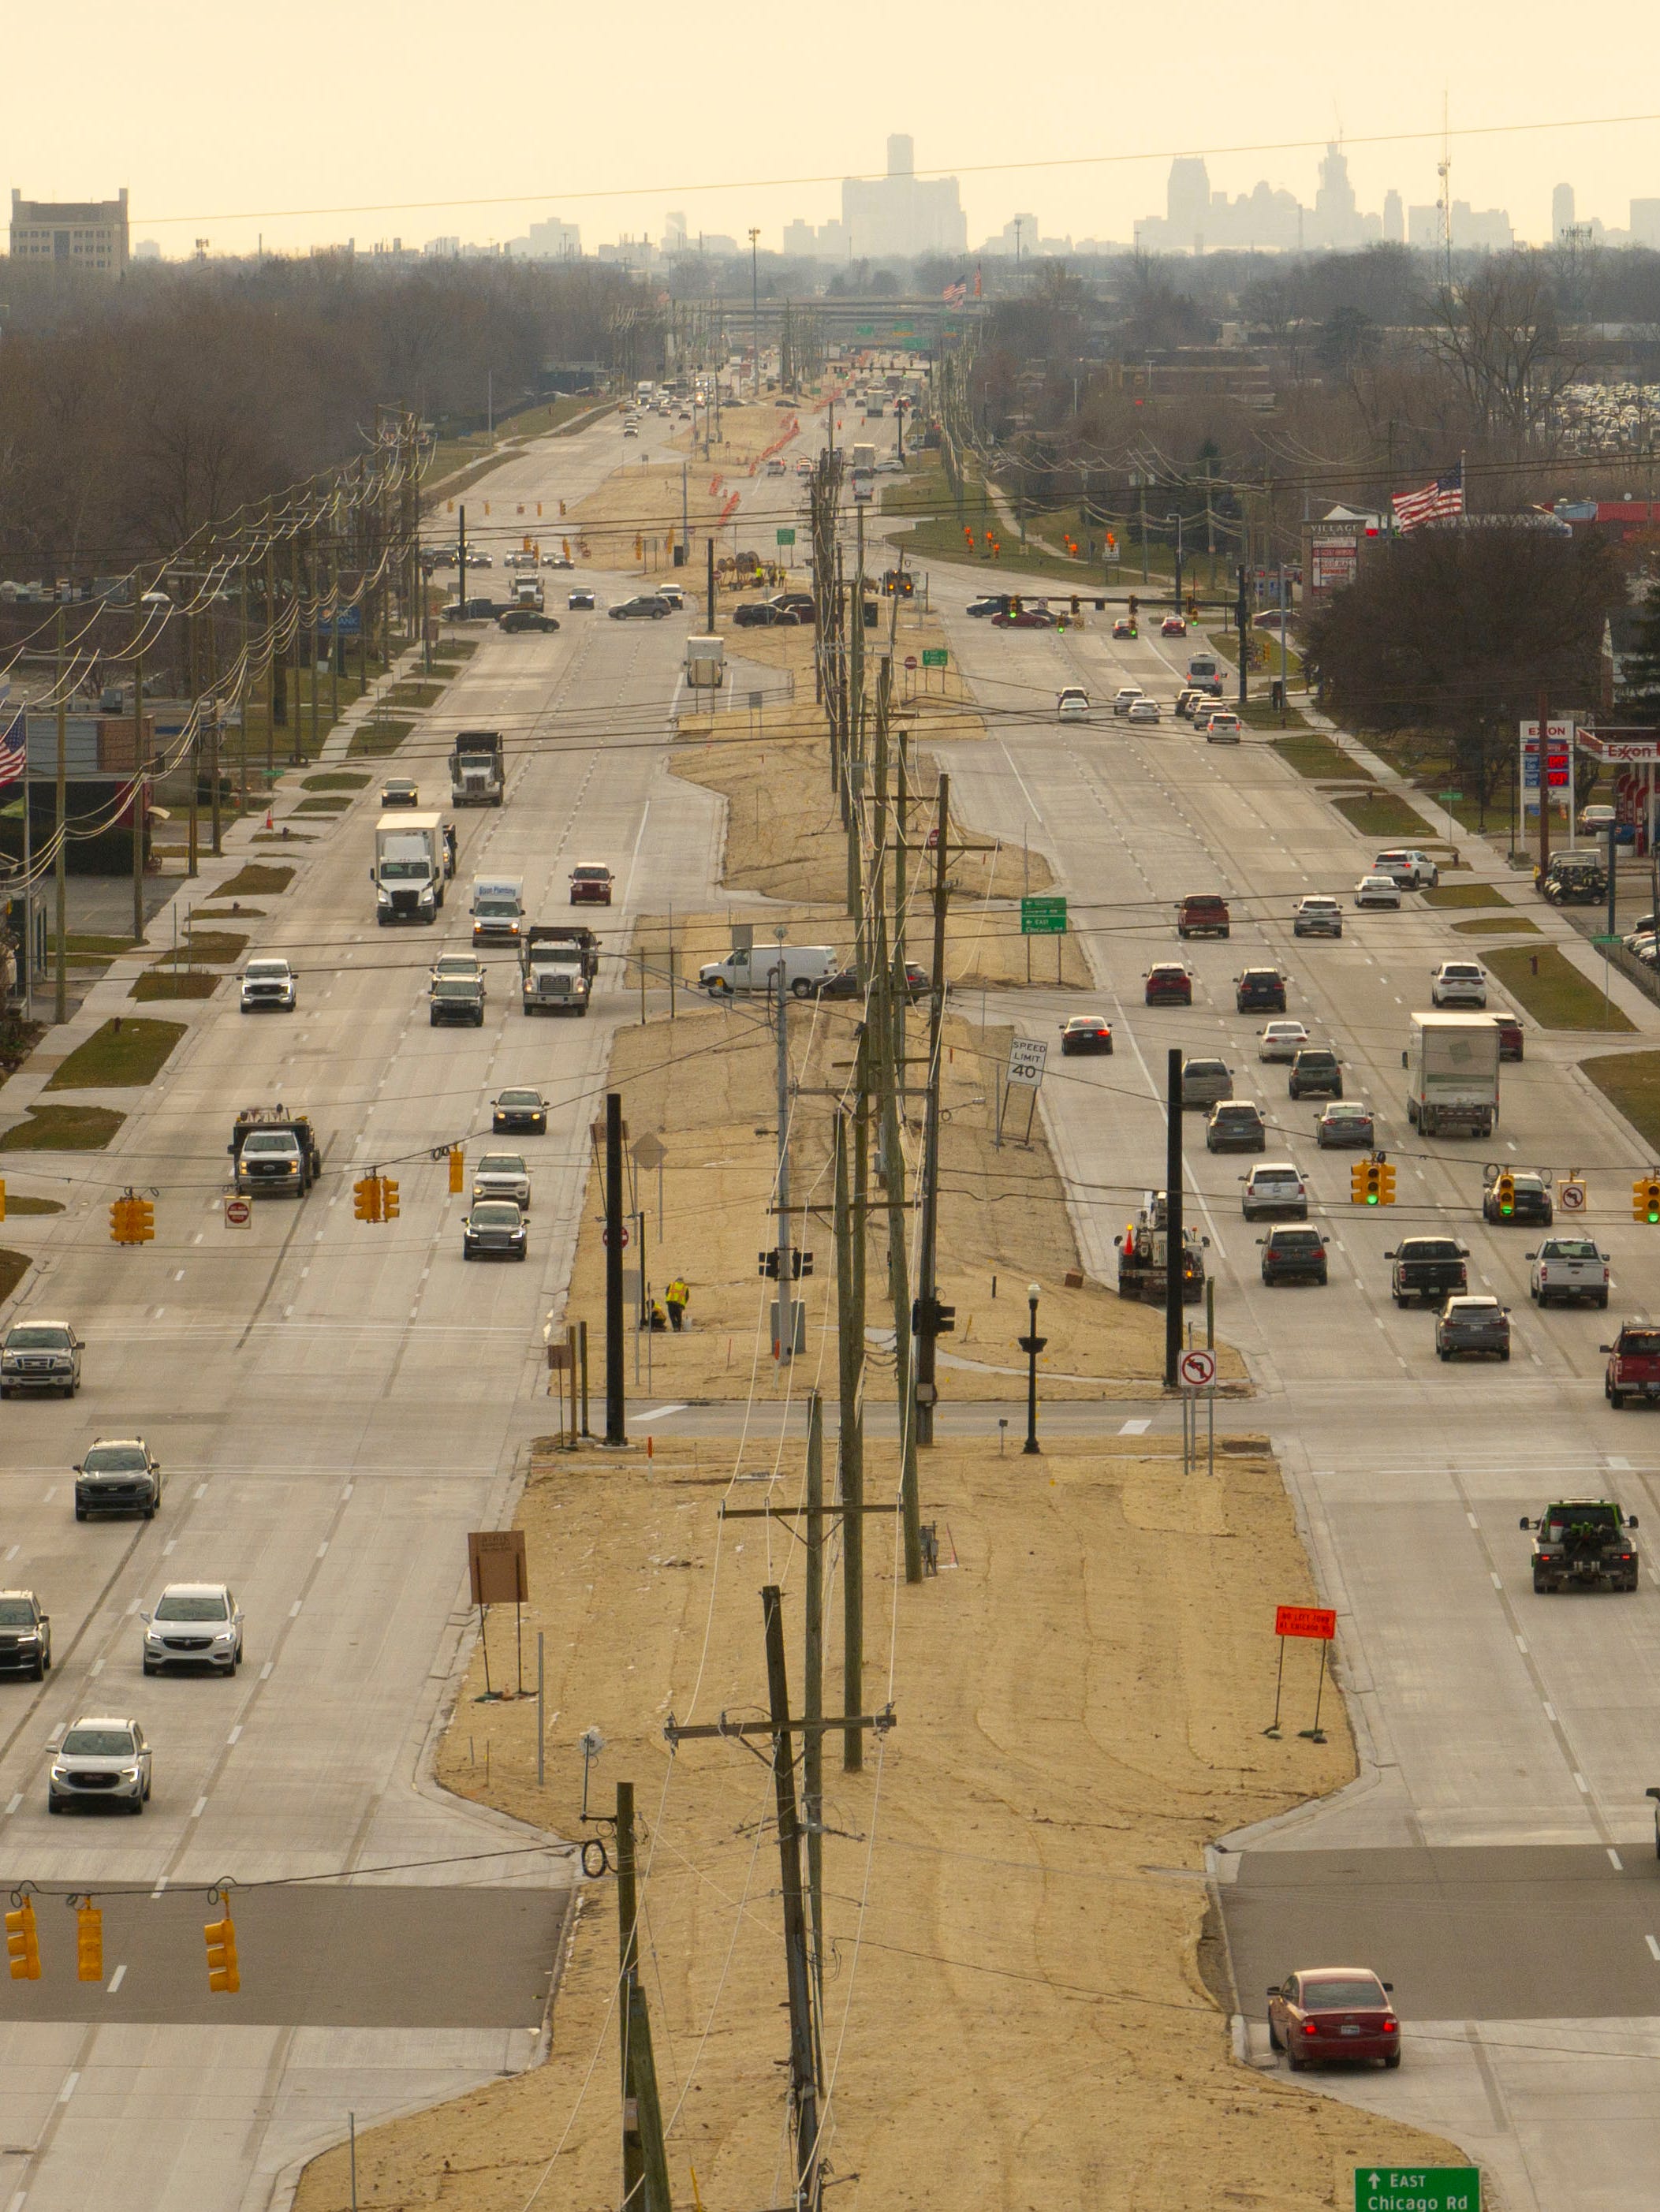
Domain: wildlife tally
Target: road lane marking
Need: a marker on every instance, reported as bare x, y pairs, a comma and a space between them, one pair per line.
322, 1548
1617, 1862
160, 1887
1654, 1948
264, 1672
1580, 1783
1623, 1466
1550, 1713
14, 1550
96, 1668
179, 1277
1497, 1584
234, 1733
115, 1979
293, 1610
1471, 1518
1521, 1646
14, 1801
198, 1808
201, 1490
172, 1545
67, 2089
1136, 1428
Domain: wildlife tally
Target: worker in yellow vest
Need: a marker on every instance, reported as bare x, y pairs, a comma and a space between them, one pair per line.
675, 1298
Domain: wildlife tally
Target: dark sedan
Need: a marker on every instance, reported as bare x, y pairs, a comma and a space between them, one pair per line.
1336, 2013
1125, 628
1528, 1199
1023, 618
1169, 984
1342, 1127
645, 606
761, 614
523, 1110
1086, 1033
991, 603
1472, 1325
518, 618
845, 983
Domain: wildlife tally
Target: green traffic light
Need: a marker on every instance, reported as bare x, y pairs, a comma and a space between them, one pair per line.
1371, 1194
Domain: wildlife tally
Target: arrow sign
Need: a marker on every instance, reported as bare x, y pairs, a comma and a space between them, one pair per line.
1197, 1369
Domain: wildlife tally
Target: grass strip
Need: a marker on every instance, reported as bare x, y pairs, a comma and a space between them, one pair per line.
282, 837
102, 948
1505, 926
415, 695
1383, 815
1315, 755
210, 946
121, 1055
331, 804
14, 1265
1630, 1081
25, 1206
334, 780
376, 739
256, 880
179, 983
62, 1129
1465, 895
1553, 990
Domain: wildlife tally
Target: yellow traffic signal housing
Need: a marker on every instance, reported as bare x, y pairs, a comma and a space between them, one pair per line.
1385, 1184
23, 1943
2, 1198
1366, 1182
88, 1943
1646, 1200
457, 1168
118, 1217
1358, 1183
1506, 1196
388, 1199
366, 1198
141, 1221
223, 1977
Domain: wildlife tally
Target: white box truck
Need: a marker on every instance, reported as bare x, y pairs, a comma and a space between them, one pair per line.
1453, 1074
705, 663
408, 874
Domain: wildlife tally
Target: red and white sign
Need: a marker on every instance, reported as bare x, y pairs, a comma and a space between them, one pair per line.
910, 660
604, 1234
238, 1213
1641, 751
1571, 1197
1305, 1620
1197, 1369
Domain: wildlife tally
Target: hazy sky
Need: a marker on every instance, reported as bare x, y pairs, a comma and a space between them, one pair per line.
226, 121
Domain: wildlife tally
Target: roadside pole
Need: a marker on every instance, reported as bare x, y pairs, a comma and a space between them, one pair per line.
616, 1428
60, 886
782, 1245
850, 1440
812, 1744
927, 1287
1173, 1253
1544, 783
1241, 614
139, 787
803, 2069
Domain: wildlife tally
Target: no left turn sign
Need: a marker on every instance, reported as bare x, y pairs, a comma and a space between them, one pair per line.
1197, 1369
1571, 1197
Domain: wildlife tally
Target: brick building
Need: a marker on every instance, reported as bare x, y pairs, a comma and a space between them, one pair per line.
90, 235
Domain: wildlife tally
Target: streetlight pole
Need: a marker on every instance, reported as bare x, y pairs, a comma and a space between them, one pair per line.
1031, 1344
755, 308
1176, 520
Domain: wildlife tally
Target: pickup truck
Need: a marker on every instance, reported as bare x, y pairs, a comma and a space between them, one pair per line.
1582, 1541
273, 1151
1565, 1269
1633, 1368
1429, 1268
1202, 913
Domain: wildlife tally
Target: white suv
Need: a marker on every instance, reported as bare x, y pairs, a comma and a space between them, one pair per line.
1274, 1188
1459, 983
194, 1624
1317, 916
1413, 870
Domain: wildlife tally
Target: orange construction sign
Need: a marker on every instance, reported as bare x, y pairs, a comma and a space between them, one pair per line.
1304, 1621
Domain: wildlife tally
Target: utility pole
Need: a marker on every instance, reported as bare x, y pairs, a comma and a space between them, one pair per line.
1173, 1249
1544, 780
1242, 617
273, 667
711, 554
60, 885
139, 789
813, 1747
804, 2083
1144, 530
928, 1286
616, 1427
850, 1432
782, 1246
297, 751
645, 2161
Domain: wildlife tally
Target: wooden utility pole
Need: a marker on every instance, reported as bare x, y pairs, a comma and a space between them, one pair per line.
297, 750
927, 1284
804, 2081
645, 2166
139, 787
813, 1747
60, 878
850, 1435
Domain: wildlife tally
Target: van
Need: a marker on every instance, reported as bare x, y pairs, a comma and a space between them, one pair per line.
806, 968
498, 910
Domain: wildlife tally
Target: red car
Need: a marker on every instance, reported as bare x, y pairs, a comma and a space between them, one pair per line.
1085, 1033
1023, 618
1169, 984
1172, 626
1509, 1037
590, 884
1334, 2013
1125, 628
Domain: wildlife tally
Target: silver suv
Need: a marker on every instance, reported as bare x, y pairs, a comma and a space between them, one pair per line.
502, 1174
194, 1624
1204, 1082
40, 1355
101, 1761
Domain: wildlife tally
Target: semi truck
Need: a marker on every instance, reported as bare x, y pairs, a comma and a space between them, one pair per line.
557, 967
1453, 1074
475, 769
408, 869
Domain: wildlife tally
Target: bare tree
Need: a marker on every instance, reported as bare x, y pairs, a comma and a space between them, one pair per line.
1498, 339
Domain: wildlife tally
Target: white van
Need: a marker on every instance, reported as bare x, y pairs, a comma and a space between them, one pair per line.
498, 910
805, 967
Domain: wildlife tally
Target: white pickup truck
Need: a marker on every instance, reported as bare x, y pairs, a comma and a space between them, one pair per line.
1566, 1268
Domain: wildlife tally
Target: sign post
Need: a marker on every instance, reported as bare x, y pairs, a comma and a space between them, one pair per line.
1026, 1059
1309, 1620
1418, 2188
497, 1575
1197, 1370
1043, 917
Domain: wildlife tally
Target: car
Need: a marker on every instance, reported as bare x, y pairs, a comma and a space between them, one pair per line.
630, 429
502, 1174
1317, 1072
581, 601
519, 1110
989, 603
590, 883
1377, 891
1168, 983
495, 1229
1123, 626
1142, 710
1472, 1325
1072, 705
1431, 1269
1294, 1255
1342, 1128
470, 611
1024, 618
451, 964
801, 604
1316, 915
644, 606
1222, 728
1413, 870
761, 614
194, 1624
1187, 699
268, 983
1085, 1033
1583, 1542
103, 1759
118, 1475
40, 1355
519, 561
1205, 1081
1281, 1041
774, 468
1275, 1187
1172, 626
845, 984
1259, 991
1510, 1037
1459, 983
477, 560
1125, 697
1203, 913
25, 1634
557, 560
1334, 2013
1235, 1125
1530, 1199
400, 791
456, 998
521, 618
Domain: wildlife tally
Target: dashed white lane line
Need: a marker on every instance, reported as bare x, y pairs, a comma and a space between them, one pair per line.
1550, 1712
13, 1801
1471, 1518
1654, 1948
198, 1808
1615, 1861
116, 1980
1522, 1646
1580, 1783
67, 2089
201, 1490
1496, 1582
1136, 1428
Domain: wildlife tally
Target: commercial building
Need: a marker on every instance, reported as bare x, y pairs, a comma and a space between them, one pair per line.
901, 216
90, 235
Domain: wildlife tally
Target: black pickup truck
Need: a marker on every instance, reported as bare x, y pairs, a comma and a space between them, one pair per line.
1583, 1543
1430, 1268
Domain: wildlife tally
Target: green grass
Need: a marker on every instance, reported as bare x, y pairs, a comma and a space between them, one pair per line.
1383, 815
331, 803
100, 948
62, 1129
124, 1053
14, 1265
376, 739
334, 780
1631, 1084
1503, 925
1465, 895
228, 914
206, 947
26, 1206
177, 983
414, 694
1260, 714
1557, 997
281, 837
256, 880
453, 648
1314, 754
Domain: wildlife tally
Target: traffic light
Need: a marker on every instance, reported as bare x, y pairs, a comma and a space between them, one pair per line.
1366, 1182
88, 1943
1132, 606
120, 1209
388, 1199
1385, 1184
1014, 605
769, 1266
1645, 1199
22, 1942
928, 1316
1504, 1192
457, 1168
366, 1198
222, 1977
2, 1198
1077, 604
801, 1263
141, 1221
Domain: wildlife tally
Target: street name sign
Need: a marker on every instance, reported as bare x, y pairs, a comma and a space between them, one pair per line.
1418, 2188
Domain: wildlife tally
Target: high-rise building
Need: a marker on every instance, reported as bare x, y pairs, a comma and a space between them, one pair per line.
1645, 223
1187, 201
901, 216
1561, 210
90, 235
1394, 219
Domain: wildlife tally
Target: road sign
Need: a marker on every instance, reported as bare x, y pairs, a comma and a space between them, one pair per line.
935, 656
1026, 1059
1197, 1369
1042, 917
1449, 798
786, 537
605, 1234
910, 660
1304, 1621
1571, 1197
238, 1213
1418, 2188
650, 1151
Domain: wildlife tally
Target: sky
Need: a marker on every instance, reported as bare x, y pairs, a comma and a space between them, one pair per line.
313, 123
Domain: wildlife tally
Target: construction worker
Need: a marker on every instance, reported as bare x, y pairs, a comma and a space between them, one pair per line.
675, 1298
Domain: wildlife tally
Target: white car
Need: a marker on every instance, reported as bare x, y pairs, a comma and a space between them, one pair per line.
1459, 983
1143, 710
103, 1759
1316, 916
1074, 704
502, 1174
1281, 1041
268, 983
1124, 699
1275, 1189
1377, 891
194, 1624
1223, 729
1412, 869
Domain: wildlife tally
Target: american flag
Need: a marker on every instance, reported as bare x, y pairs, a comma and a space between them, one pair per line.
1445, 497
13, 748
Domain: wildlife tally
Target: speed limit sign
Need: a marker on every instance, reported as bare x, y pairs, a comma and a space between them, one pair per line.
1197, 1369
1571, 1197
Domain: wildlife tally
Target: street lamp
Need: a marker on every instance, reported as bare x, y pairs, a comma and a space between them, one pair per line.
1031, 1344
1176, 520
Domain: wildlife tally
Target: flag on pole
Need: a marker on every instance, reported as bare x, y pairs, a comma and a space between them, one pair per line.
13, 748
1437, 501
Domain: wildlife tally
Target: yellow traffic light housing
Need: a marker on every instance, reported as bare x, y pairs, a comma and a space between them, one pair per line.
23, 1941
1385, 1184
223, 1977
1367, 1184
1358, 1174
1645, 1198
366, 1198
457, 1168
388, 1199
1505, 1194
2, 1198
88, 1943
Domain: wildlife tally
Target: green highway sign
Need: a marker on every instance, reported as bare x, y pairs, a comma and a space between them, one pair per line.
1042, 917
786, 537
1418, 2188
934, 656
1449, 798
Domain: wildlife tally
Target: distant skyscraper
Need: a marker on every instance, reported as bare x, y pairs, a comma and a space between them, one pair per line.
1645, 222
901, 215
1186, 203
1394, 219
1561, 210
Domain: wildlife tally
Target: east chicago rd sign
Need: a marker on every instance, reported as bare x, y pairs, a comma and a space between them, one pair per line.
1418, 2188
1314, 1620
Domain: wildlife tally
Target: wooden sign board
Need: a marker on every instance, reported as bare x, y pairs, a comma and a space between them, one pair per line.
495, 1566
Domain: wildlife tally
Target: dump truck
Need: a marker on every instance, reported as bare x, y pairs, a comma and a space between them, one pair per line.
557, 967
274, 1153
475, 769
1453, 1074
1143, 1256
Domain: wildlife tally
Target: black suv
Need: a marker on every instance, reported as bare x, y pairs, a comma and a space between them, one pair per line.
1530, 1201
1584, 1541
1259, 991
457, 998
25, 1633
1293, 1254
1317, 1074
